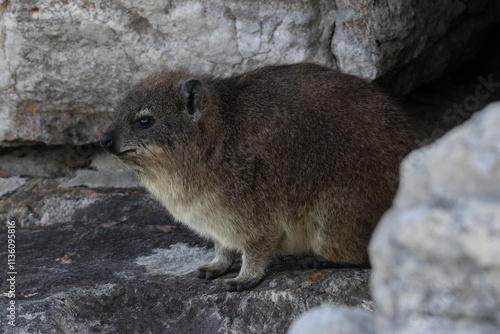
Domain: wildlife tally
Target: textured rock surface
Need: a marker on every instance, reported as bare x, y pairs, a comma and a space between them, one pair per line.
87, 54
86, 165
42, 161
63, 64
103, 171
407, 43
10, 184
111, 260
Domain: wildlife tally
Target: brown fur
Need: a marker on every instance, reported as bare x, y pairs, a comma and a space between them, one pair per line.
295, 159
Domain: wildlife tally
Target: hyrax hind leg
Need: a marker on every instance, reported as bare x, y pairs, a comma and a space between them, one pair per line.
220, 265
340, 231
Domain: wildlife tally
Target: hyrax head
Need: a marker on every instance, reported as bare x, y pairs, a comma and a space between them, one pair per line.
158, 114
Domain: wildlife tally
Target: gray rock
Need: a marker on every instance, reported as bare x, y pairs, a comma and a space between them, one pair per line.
104, 171
10, 184
86, 54
122, 265
403, 44
45, 161
178, 260
86, 165
435, 253
330, 319
39, 202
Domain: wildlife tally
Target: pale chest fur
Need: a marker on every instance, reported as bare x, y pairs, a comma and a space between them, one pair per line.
201, 212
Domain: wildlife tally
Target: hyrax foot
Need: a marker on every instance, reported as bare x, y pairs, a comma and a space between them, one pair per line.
220, 265
252, 272
238, 284
311, 263
307, 262
209, 271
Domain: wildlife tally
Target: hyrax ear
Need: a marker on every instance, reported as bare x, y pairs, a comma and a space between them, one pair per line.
191, 93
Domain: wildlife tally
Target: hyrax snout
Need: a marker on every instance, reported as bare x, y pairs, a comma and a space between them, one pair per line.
296, 159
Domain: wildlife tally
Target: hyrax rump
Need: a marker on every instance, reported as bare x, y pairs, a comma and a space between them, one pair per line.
295, 159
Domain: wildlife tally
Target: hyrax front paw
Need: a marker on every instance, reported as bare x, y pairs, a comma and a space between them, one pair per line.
239, 284
210, 271
220, 265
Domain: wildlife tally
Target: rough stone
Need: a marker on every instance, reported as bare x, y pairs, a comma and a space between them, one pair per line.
104, 171
435, 253
10, 184
120, 264
329, 319
86, 165
45, 161
178, 260
37, 202
86, 54
403, 44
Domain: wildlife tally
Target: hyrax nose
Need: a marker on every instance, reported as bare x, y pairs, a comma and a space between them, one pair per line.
106, 140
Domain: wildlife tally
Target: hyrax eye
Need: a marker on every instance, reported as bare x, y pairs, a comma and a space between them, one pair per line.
144, 122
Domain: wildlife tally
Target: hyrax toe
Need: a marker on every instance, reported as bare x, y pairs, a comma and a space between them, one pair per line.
237, 284
210, 272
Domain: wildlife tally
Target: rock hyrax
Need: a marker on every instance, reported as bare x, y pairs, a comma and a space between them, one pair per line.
294, 159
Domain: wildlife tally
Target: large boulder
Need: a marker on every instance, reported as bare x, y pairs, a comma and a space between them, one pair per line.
64, 64
405, 43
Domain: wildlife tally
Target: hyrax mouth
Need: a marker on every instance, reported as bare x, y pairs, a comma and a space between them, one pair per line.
124, 153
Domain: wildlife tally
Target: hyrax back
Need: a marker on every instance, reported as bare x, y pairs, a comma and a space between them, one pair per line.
296, 159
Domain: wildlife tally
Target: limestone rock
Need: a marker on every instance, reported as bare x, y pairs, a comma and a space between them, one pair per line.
37, 202
10, 184
104, 171
405, 43
64, 64
435, 254
86, 165
43, 161
86, 54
